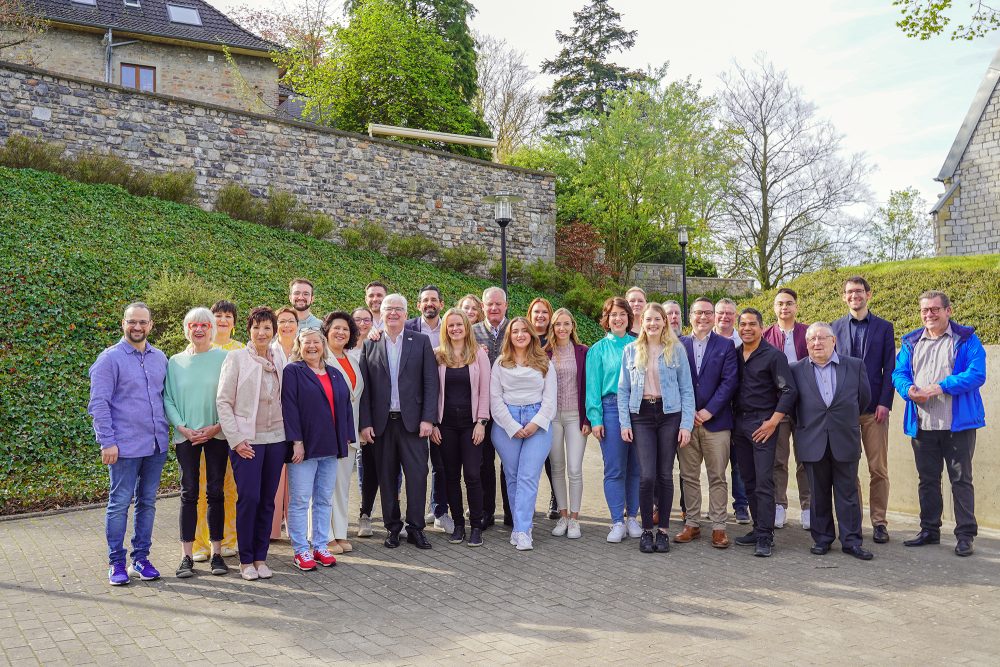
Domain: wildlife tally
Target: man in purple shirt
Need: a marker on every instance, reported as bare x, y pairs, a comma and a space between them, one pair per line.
126, 404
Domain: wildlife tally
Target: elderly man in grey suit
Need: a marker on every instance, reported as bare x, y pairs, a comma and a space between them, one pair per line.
397, 412
833, 392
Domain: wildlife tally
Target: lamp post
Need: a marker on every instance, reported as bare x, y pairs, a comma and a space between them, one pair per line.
682, 240
503, 213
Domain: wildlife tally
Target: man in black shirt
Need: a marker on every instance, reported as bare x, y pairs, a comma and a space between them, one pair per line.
766, 394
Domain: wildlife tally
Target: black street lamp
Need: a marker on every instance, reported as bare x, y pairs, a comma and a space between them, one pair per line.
503, 213
682, 240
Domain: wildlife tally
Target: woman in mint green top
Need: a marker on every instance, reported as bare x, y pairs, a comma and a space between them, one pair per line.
621, 467
189, 400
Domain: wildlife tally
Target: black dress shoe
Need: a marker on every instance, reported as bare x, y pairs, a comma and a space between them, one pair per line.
748, 540
662, 544
457, 535
646, 542
489, 522
475, 538
763, 548
880, 535
964, 547
922, 538
858, 552
392, 541
417, 538
819, 549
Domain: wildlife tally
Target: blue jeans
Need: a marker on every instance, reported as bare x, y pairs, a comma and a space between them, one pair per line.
137, 478
523, 459
621, 465
313, 479
737, 487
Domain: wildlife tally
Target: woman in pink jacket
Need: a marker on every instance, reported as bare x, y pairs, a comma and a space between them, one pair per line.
463, 412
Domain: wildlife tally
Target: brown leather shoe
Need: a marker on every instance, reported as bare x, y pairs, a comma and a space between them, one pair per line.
689, 533
719, 539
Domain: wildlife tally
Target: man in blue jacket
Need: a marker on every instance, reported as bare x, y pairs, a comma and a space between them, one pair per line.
939, 370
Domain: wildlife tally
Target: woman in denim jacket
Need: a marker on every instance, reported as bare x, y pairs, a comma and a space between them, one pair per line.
656, 412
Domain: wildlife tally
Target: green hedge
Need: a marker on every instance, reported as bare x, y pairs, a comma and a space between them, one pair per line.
970, 282
75, 254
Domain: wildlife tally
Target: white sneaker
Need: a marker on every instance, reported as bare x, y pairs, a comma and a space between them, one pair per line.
573, 530
513, 538
806, 519
429, 517
200, 557
617, 532
445, 523
633, 528
524, 542
561, 526
228, 552
365, 526
779, 516
249, 573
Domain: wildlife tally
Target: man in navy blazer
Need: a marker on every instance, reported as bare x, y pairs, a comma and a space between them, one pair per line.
873, 340
397, 412
833, 390
712, 359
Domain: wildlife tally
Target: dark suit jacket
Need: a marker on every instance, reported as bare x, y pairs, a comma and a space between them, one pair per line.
718, 381
417, 380
776, 337
879, 355
816, 424
307, 413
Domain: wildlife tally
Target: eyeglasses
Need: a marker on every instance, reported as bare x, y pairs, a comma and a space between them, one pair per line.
302, 293
394, 309
813, 339
284, 322
199, 325
362, 320
933, 310
137, 323
855, 292
702, 313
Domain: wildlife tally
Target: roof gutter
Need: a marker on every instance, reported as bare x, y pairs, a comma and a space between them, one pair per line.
109, 47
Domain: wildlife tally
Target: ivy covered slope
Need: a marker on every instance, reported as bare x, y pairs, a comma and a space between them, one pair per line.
73, 255
970, 282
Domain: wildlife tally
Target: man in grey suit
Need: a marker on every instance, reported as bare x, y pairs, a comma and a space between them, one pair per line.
833, 392
398, 407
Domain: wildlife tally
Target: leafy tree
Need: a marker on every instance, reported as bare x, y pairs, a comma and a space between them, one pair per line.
302, 27
386, 66
584, 75
928, 18
901, 229
507, 99
562, 158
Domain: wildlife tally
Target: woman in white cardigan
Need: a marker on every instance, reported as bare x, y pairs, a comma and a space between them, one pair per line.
523, 403
249, 405
342, 334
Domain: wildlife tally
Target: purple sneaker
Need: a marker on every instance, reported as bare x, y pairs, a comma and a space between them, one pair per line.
118, 574
145, 570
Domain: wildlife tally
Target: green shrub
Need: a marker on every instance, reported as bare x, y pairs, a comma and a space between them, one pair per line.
322, 225
280, 209
546, 276
176, 186
351, 238
462, 258
516, 273
237, 202
364, 235
102, 167
23, 153
414, 246
169, 297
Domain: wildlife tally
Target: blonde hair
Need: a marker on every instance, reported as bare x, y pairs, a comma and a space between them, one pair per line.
296, 354
445, 352
480, 310
574, 338
667, 337
535, 357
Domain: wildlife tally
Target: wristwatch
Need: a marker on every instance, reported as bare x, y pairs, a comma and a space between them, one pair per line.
484, 422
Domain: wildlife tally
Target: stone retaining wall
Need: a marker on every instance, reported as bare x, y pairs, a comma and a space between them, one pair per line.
666, 278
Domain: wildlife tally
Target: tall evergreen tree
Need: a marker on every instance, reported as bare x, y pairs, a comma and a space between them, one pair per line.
584, 74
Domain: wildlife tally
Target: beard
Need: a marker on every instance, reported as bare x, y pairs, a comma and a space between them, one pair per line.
300, 307
430, 312
136, 337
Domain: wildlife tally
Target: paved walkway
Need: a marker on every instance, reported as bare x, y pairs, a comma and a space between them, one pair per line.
583, 601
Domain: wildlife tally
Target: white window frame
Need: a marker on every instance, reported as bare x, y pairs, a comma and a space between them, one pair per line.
174, 13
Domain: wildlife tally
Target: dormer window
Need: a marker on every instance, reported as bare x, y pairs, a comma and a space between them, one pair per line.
132, 3
92, 3
185, 15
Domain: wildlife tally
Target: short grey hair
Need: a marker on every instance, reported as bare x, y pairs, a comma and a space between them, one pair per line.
489, 290
671, 302
725, 301
816, 326
296, 354
134, 305
393, 297
199, 314
936, 294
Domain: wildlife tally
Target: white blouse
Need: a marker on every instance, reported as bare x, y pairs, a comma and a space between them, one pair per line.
522, 385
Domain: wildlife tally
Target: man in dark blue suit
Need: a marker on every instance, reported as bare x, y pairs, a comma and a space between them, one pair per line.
864, 336
715, 376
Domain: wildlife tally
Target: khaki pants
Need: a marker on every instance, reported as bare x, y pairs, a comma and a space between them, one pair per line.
713, 449
781, 457
875, 439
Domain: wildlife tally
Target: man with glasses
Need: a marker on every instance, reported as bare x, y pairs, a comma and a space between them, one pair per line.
126, 404
300, 295
725, 319
489, 334
939, 370
863, 335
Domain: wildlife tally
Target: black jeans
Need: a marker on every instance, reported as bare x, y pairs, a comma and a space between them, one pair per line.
654, 436
952, 450
189, 459
461, 457
369, 479
756, 463
396, 446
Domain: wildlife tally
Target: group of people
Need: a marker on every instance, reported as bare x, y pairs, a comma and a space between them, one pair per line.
268, 434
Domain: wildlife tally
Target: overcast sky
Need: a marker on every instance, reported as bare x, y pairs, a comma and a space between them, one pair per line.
899, 100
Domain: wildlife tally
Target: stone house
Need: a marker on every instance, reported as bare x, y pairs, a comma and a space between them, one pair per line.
966, 216
174, 47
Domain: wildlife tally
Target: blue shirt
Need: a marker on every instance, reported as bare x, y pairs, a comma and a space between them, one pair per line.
394, 351
826, 378
859, 331
126, 400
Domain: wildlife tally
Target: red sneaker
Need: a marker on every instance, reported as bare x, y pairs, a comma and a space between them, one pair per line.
304, 561
324, 558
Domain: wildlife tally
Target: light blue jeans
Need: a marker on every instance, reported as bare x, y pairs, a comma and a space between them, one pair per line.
621, 465
138, 478
523, 460
312, 480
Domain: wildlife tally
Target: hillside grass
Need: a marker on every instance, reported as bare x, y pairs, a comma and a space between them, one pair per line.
972, 283
73, 255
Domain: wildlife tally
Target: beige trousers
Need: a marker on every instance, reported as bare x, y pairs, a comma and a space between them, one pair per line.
713, 449
875, 440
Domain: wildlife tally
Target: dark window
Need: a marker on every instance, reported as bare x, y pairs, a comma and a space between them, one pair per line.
139, 77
